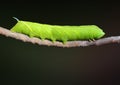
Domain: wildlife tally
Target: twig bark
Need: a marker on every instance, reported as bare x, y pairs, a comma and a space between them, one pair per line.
25, 38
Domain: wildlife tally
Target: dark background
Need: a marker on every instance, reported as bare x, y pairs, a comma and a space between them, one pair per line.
28, 64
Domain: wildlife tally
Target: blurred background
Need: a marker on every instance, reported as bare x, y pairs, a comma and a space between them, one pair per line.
28, 64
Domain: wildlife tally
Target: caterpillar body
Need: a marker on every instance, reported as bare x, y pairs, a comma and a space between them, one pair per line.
54, 33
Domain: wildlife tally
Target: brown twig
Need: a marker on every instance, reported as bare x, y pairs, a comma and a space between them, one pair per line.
25, 38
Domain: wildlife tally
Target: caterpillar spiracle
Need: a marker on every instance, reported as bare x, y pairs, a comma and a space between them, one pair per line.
54, 33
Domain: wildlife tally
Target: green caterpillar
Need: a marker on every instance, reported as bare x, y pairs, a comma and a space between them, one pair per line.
58, 33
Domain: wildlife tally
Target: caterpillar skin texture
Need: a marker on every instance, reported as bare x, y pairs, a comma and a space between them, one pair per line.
56, 32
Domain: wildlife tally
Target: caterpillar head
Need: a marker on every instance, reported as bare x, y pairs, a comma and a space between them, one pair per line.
97, 32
